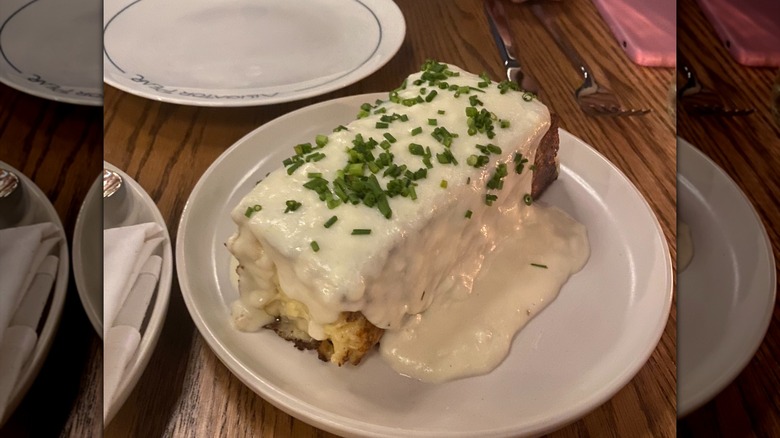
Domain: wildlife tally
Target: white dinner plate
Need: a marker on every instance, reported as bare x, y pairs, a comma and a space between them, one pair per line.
138, 207
51, 49
244, 52
88, 255
571, 358
726, 294
39, 209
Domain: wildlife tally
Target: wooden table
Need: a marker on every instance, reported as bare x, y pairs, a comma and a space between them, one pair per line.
59, 147
186, 391
748, 149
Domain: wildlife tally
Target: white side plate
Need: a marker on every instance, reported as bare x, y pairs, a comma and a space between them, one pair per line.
571, 358
726, 294
244, 52
40, 210
138, 207
51, 49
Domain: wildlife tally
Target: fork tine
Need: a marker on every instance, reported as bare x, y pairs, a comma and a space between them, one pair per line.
615, 111
720, 111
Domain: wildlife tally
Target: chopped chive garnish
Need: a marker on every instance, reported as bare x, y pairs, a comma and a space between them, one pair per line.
303, 148
294, 167
292, 205
417, 130
331, 221
490, 198
381, 125
519, 162
339, 128
253, 209
528, 199
315, 246
431, 95
493, 149
389, 137
403, 118
441, 111
433, 122
321, 140
468, 214
416, 149
443, 184
504, 123
538, 265
317, 156
360, 232
528, 96
314, 175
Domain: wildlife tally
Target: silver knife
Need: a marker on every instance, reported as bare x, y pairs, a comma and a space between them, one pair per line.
499, 27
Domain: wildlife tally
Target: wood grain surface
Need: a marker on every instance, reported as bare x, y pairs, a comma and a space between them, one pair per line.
186, 391
748, 149
59, 147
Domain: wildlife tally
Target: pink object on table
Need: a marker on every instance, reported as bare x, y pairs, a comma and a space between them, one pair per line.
645, 29
750, 29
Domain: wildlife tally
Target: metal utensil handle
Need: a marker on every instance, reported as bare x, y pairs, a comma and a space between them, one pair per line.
692, 84
552, 27
499, 27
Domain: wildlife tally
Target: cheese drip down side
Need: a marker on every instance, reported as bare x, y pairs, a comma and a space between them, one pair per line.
469, 330
407, 260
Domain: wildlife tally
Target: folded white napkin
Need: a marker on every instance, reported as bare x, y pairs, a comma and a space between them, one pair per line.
121, 340
125, 250
22, 249
20, 338
15, 349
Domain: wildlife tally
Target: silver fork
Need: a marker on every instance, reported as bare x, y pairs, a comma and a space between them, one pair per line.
499, 27
701, 100
593, 99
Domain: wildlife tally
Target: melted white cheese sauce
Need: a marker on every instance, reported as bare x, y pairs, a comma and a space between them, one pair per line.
469, 330
427, 252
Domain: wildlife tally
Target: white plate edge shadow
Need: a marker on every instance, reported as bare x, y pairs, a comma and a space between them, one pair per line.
58, 294
145, 350
78, 262
349, 426
703, 395
392, 45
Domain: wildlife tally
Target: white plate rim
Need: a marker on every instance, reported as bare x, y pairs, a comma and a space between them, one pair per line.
703, 395
338, 425
58, 294
159, 311
27, 86
393, 19
78, 266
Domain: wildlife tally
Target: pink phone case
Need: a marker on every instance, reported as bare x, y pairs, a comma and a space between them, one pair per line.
750, 29
646, 29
